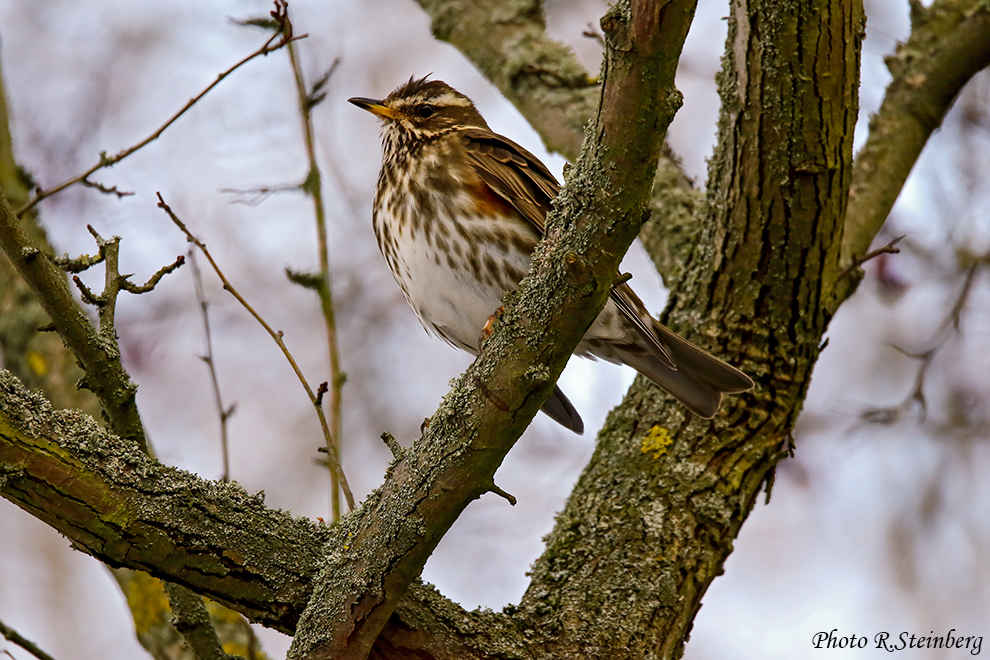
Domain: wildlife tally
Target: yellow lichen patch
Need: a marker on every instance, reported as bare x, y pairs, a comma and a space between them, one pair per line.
233, 631
37, 363
656, 440
146, 599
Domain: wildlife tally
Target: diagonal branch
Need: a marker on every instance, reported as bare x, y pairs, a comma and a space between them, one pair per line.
126, 509
597, 217
15, 637
276, 335
949, 44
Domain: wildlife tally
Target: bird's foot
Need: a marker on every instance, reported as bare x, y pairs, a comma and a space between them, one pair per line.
486, 331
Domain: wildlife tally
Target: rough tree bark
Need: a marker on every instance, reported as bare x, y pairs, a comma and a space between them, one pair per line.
653, 517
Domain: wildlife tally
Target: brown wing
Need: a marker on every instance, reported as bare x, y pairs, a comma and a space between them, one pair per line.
512, 173
520, 178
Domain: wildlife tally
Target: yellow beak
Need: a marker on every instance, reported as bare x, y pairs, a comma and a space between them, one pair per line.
375, 107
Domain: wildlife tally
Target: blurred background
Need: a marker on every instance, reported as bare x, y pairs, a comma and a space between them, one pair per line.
881, 522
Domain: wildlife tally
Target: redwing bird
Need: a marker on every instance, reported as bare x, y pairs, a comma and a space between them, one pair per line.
458, 211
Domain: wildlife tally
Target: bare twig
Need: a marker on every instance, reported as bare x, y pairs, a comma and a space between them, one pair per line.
393, 445
956, 312
152, 282
323, 284
891, 414
223, 413
591, 32
944, 51
106, 160
255, 196
96, 351
106, 190
856, 262
114, 282
277, 338
77, 264
14, 637
509, 497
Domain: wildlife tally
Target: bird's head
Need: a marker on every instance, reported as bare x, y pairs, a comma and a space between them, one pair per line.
424, 109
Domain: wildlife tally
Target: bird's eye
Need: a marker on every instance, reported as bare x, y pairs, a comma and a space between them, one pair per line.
425, 110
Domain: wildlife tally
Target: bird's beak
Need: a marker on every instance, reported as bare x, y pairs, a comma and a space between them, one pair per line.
374, 107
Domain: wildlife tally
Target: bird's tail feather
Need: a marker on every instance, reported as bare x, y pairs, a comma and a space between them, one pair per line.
560, 410
700, 378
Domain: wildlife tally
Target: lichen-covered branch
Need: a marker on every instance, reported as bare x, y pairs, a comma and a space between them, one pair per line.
949, 44
121, 506
598, 216
128, 510
193, 622
39, 358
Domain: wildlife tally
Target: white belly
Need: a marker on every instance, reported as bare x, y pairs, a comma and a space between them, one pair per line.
454, 279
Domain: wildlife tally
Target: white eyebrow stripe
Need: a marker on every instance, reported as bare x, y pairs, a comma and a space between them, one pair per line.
452, 99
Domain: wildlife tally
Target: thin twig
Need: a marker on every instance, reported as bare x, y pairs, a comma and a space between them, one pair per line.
277, 338
106, 190
308, 99
107, 160
889, 248
509, 497
13, 636
255, 196
223, 413
890, 414
956, 312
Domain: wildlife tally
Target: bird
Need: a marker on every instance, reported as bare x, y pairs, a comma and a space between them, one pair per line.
457, 213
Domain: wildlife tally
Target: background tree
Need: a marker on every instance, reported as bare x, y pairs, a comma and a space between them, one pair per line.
757, 273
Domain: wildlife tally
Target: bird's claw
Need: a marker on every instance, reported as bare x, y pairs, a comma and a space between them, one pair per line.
486, 331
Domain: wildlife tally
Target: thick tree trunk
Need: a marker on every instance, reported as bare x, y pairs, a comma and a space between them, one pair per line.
649, 525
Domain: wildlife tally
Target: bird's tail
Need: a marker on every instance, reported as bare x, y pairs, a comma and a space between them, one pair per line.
560, 410
700, 379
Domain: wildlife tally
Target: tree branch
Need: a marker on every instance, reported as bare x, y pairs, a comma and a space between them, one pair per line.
106, 160
323, 282
15, 637
650, 524
121, 506
596, 218
126, 509
42, 361
949, 44
105, 376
